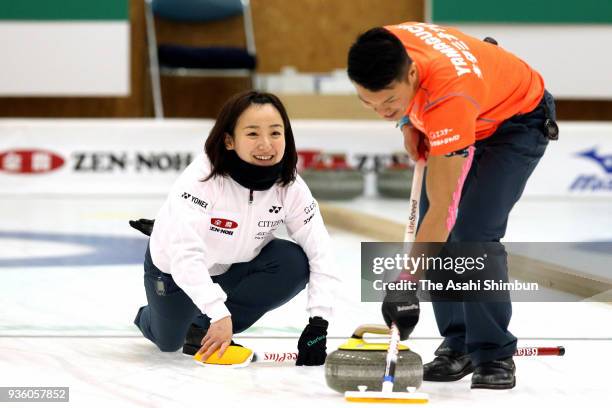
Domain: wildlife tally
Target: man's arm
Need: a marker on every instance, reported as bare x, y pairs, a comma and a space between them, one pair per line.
445, 177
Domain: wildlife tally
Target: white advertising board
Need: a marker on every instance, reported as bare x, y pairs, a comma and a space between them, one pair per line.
145, 156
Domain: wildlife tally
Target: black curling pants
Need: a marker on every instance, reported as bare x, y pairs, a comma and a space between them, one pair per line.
500, 169
274, 277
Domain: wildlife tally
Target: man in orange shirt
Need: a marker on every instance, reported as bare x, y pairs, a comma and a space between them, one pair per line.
482, 119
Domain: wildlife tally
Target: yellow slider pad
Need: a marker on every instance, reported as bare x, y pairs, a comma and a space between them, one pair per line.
234, 355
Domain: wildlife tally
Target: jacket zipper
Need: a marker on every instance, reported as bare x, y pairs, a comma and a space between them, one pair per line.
246, 221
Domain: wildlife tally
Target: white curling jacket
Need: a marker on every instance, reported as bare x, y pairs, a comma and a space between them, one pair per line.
204, 227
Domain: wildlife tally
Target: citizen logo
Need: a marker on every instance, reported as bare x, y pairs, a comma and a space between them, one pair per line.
274, 209
269, 224
194, 199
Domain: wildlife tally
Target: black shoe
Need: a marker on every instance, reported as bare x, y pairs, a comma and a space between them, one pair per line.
193, 340
495, 375
449, 365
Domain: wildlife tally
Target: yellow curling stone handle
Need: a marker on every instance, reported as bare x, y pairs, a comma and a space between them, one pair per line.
356, 342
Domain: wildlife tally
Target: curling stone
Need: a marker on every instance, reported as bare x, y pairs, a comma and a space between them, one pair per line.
395, 181
331, 178
306, 159
358, 362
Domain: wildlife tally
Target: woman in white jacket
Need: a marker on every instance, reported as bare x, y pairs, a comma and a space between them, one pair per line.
213, 266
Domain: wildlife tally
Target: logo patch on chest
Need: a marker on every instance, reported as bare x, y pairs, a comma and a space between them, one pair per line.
223, 226
274, 209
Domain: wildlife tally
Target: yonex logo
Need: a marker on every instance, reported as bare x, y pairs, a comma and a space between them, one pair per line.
194, 199
274, 209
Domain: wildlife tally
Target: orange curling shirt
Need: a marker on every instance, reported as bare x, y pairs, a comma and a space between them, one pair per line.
467, 87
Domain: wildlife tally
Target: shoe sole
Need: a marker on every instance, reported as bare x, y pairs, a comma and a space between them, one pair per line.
449, 378
495, 386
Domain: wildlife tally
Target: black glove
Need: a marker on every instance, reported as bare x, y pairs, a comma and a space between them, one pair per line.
401, 307
143, 225
312, 343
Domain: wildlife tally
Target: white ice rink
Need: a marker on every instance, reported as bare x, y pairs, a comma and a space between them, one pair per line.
72, 283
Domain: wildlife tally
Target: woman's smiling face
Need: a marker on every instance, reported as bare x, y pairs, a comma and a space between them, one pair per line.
259, 136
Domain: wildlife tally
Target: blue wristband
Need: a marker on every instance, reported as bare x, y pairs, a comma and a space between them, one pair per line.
405, 120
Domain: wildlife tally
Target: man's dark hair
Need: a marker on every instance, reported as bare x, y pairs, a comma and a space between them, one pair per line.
226, 123
376, 59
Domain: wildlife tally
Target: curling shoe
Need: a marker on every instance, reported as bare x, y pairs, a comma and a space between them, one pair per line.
449, 365
495, 375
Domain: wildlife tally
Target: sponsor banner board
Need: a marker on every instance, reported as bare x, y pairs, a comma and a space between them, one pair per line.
146, 156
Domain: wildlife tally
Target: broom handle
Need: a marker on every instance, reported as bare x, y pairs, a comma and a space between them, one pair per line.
415, 197
389, 377
281, 356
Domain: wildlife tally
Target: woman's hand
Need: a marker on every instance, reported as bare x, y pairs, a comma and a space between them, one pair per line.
218, 337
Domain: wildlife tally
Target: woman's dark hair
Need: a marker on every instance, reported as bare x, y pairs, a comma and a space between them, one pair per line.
226, 123
376, 59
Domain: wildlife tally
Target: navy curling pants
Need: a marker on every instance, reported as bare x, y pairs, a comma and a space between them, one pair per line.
500, 169
274, 277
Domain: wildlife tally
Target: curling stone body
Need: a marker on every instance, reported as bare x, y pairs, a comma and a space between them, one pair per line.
334, 184
330, 177
358, 362
394, 182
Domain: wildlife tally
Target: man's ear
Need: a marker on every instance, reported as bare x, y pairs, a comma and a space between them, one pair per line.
229, 142
411, 75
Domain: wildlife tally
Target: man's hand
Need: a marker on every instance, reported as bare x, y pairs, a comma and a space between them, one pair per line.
401, 307
415, 142
312, 343
218, 337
